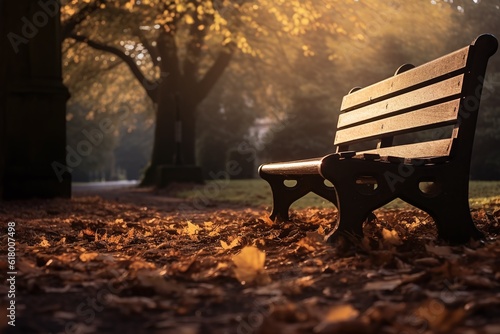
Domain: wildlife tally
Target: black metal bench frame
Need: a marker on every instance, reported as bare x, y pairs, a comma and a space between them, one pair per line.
443, 92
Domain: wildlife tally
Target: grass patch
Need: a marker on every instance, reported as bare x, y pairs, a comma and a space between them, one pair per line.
256, 192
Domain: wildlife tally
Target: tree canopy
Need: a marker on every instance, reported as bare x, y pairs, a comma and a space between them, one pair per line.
166, 56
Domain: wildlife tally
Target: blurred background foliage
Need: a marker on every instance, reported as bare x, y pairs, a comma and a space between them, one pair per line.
281, 92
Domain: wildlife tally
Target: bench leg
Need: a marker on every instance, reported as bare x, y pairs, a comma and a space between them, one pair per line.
451, 214
351, 216
454, 223
284, 196
356, 202
448, 205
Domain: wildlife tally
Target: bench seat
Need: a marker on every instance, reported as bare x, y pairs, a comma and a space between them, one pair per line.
441, 96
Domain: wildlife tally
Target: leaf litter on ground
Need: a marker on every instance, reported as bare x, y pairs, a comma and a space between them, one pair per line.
146, 266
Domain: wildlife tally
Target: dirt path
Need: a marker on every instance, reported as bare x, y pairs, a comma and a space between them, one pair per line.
132, 261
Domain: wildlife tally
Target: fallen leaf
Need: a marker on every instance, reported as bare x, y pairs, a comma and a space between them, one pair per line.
86, 257
268, 220
321, 231
476, 281
439, 318
304, 243
44, 243
311, 241
208, 224
383, 285
451, 269
106, 258
383, 311
341, 313
288, 312
412, 278
249, 264
192, 229
340, 319
138, 265
391, 237
234, 243
483, 305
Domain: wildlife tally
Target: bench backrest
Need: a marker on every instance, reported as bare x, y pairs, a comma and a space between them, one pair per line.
443, 92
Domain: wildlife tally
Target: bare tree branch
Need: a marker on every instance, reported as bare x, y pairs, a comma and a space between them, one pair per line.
170, 63
214, 73
150, 86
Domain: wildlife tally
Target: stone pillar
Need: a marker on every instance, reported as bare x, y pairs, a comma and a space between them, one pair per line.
32, 101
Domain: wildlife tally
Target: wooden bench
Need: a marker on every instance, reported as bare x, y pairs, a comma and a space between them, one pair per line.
372, 163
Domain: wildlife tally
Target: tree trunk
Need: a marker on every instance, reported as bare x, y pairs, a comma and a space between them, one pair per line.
188, 145
164, 137
177, 102
172, 107
165, 148
177, 95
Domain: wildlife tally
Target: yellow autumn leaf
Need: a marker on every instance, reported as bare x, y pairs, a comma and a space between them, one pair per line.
86, 257
192, 229
391, 237
234, 243
335, 315
438, 316
341, 313
44, 243
249, 264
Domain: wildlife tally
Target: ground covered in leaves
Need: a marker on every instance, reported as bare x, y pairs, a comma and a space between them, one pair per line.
144, 263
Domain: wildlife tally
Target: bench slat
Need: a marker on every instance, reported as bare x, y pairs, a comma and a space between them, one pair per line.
299, 167
450, 63
438, 91
440, 147
430, 117
425, 97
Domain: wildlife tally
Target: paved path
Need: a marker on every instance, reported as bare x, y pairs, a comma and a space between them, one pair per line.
98, 187
129, 192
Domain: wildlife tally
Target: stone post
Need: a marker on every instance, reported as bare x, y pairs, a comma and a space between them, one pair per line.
32, 101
